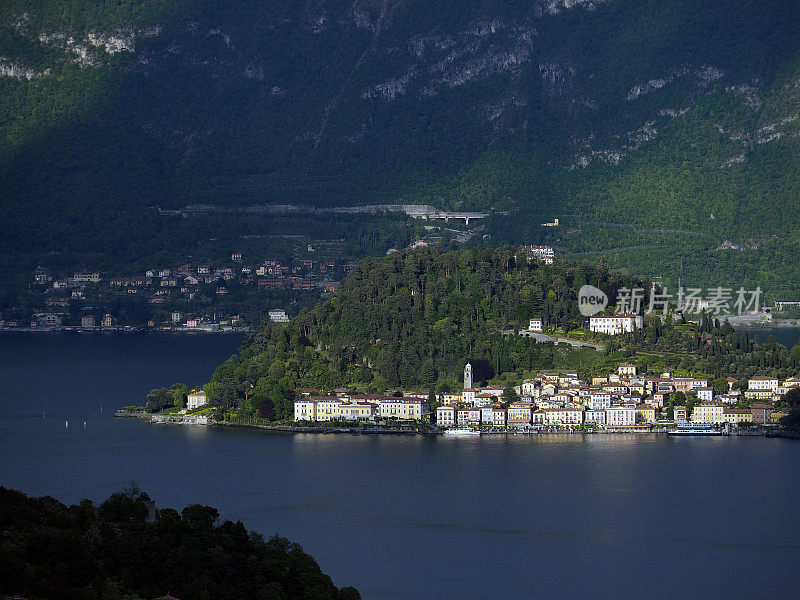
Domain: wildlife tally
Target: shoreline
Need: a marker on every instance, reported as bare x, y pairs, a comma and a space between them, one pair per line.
772, 324
770, 433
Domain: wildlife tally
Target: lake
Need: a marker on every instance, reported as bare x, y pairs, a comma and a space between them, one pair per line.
568, 516
787, 336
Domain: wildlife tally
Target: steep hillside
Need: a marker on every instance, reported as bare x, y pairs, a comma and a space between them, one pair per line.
667, 119
411, 320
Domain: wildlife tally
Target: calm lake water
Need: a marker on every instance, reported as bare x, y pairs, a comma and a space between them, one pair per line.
787, 336
418, 517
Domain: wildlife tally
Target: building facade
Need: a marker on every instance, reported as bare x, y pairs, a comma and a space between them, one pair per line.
196, 399
620, 416
615, 324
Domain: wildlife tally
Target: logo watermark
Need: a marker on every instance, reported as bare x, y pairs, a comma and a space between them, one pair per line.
591, 300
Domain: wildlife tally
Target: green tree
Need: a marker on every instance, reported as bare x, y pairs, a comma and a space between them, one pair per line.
179, 394
510, 394
159, 399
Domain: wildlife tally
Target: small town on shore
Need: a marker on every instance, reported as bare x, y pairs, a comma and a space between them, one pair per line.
622, 401
186, 297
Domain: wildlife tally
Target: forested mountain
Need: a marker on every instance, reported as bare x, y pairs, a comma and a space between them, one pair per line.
411, 320
654, 129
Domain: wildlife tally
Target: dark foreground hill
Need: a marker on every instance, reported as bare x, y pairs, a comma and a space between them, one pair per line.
127, 549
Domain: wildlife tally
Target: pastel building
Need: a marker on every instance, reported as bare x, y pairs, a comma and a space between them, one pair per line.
357, 411
626, 370
328, 408
519, 413
404, 408
736, 416
708, 412
474, 417
563, 416
195, 399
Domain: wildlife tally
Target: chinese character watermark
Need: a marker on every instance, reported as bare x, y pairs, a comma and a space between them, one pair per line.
716, 301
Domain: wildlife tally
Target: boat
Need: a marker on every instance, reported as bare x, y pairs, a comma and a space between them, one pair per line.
461, 432
695, 429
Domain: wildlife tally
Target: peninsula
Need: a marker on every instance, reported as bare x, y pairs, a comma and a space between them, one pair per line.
388, 351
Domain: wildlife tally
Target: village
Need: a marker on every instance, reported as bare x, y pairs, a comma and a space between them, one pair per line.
190, 296
619, 401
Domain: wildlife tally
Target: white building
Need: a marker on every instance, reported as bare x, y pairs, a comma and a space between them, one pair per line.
615, 324
358, 411
305, 410
729, 398
546, 254
536, 324
49, 320
278, 315
195, 399
763, 383
704, 394
484, 400
468, 377
486, 414
599, 400
498, 417
597, 417
446, 416
528, 388
620, 416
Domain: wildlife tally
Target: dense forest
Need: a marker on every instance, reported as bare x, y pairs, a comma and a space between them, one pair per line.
128, 549
654, 130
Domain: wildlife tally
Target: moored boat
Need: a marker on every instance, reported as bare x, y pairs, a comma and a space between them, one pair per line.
461, 432
695, 429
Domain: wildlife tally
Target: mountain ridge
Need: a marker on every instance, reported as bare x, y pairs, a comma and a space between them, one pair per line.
616, 111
